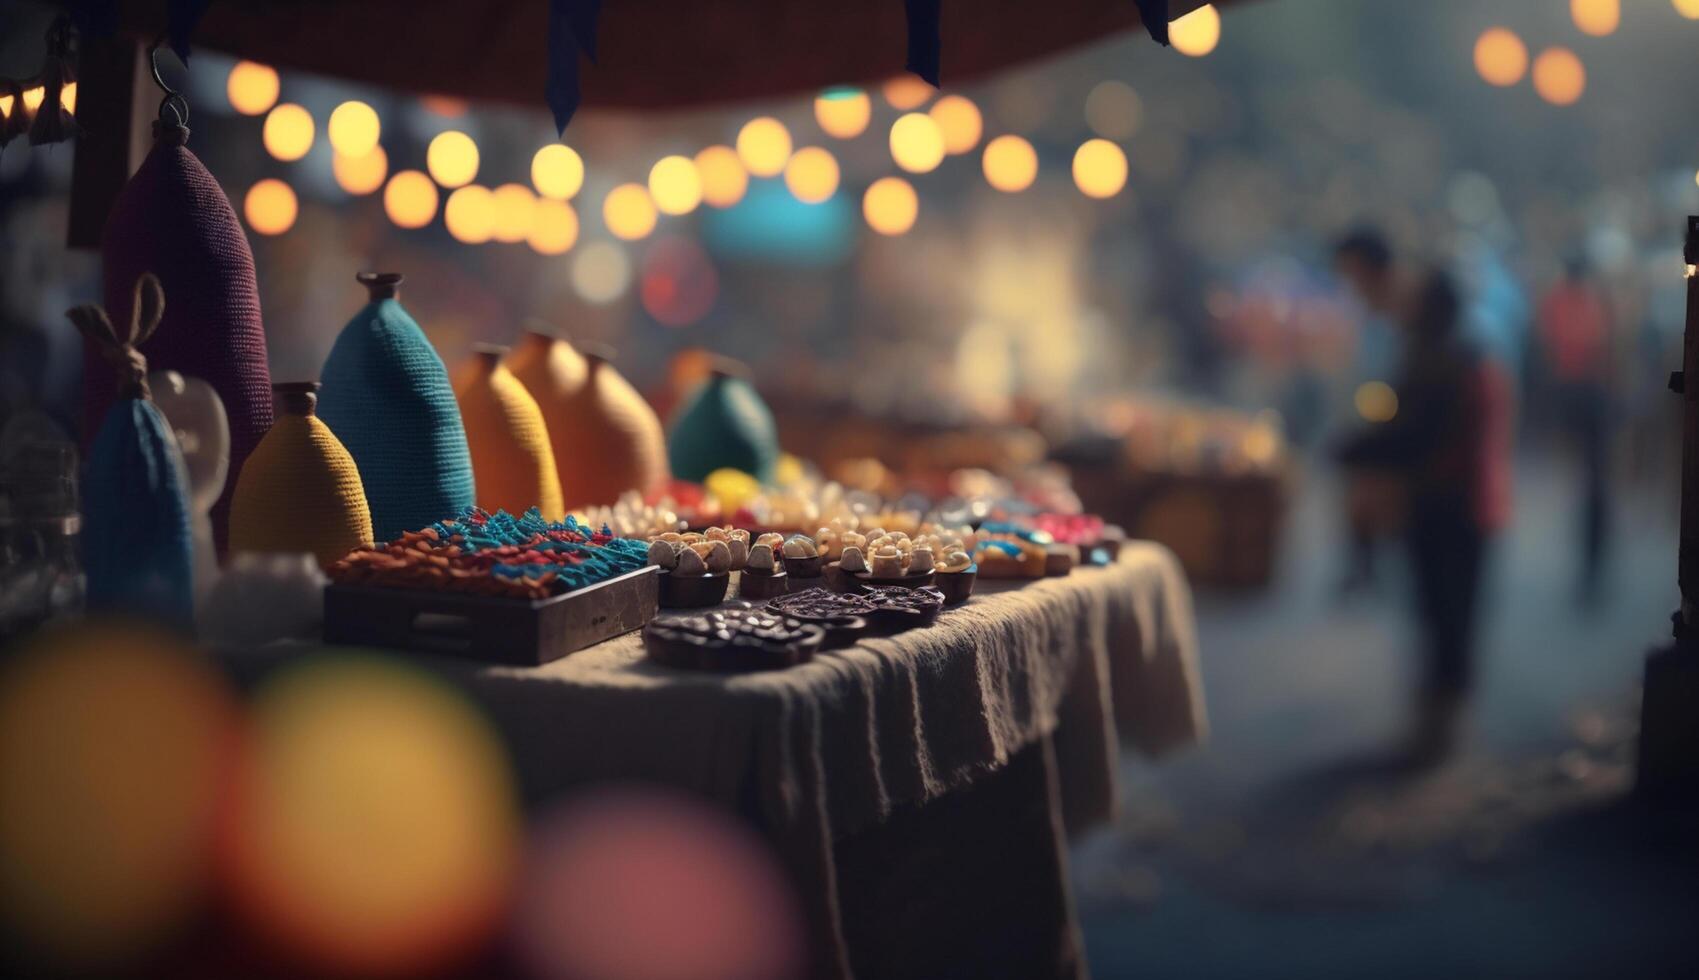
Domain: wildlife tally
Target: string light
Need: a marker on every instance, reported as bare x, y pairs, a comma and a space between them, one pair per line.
764, 145
353, 129
916, 143
724, 180
1010, 164
1596, 17
1559, 77
288, 132
1100, 168
452, 158
1687, 8
906, 92
628, 212
470, 214
1113, 110
34, 97
515, 210
1376, 401
363, 174
890, 206
270, 207
601, 272
68, 97
252, 88
554, 228
1197, 33
812, 175
843, 112
959, 122
557, 171
1500, 56
410, 200
675, 185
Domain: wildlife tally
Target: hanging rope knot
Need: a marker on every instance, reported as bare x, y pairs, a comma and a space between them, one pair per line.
122, 351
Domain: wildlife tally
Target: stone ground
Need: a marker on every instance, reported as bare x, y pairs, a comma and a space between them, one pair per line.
1290, 845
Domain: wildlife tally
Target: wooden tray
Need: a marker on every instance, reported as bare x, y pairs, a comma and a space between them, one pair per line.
504, 631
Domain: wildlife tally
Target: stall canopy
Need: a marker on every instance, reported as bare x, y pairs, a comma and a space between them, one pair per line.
643, 54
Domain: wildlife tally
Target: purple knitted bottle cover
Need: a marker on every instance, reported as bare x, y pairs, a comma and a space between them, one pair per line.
172, 219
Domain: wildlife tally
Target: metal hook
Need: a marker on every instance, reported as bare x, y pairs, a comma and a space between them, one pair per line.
174, 99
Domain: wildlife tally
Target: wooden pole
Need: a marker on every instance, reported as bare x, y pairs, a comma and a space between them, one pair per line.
1669, 705
1687, 565
115, 110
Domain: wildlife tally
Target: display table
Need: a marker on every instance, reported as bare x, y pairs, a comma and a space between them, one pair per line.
916, 787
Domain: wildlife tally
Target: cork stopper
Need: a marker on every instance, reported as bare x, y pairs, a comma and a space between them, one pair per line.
489, 355
596, 353
170, 133
380, 285
727, 367
295, 397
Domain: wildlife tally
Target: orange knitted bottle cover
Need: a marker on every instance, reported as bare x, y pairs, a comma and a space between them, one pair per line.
513, 465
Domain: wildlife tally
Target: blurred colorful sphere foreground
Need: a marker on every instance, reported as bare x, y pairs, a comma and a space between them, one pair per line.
646, 884
116, 745
375, 827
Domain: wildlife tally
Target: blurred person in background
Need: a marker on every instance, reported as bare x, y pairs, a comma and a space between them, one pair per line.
1447, 443
1364, 260
1575, 344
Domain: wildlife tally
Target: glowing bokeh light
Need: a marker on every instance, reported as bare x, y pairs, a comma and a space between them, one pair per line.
1500, 56
410, 199
1113, 110
376, 828
724, 180
252, 87
628, 212
917, 145
890, 206
1010, 164
361, 175
68, 97
354, 128
515, 210
906, 92
1687, 8
270, 207
470, 214
642, 884
34, 97
812, 175
843, 112
1197, 33
1100, 168
116, 748
1596, 17
5, 106
554, 228
679, 283
601, 272
764, 146
557, 171
1559, 77
959, 122
452, 158
1376, 401
288, 132
675, 185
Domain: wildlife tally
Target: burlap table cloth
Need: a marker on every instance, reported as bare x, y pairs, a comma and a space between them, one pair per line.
823, 751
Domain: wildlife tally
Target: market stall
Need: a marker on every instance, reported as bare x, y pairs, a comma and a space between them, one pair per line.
963, 744
910, 686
